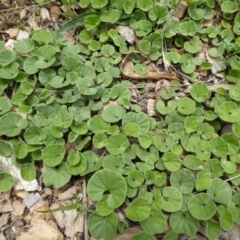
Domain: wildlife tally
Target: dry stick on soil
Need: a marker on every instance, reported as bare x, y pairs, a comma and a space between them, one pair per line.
150, 75
86, 237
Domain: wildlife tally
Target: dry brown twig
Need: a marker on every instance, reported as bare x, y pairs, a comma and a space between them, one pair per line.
155, 75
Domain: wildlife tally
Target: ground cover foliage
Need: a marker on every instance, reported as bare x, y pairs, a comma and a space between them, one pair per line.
60, 101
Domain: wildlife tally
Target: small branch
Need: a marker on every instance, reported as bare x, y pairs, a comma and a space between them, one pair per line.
230, 179
86, 237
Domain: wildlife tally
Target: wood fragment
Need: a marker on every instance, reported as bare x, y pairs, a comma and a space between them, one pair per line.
23, 13
180, 10
55, 12
44, 13
151, 107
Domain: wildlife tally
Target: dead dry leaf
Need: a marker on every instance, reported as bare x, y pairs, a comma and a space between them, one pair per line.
129, 233
41, 230
32, 23
58, 215
12, 32
19, 183
44, 13
23, 13
42, 206
69, 37
21, 194
5, 207
127, 32
68, 194
71, 229
18, 208
9, 45
4, 219
218, 65
200, 237
151, 107
2, 237
53, 224
32, 200
22, 35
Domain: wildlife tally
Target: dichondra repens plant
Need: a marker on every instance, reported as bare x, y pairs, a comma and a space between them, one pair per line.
68, 106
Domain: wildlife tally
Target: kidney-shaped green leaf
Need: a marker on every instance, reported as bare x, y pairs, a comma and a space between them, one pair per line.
11, 124
155, 222
201, 206
229, 112
5, 105
57, 177
6, 182
117, 144
103, 227
138, 210
220, 191
110, 183
113, 113
53, 155
172, 199
183, 179
183, 223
